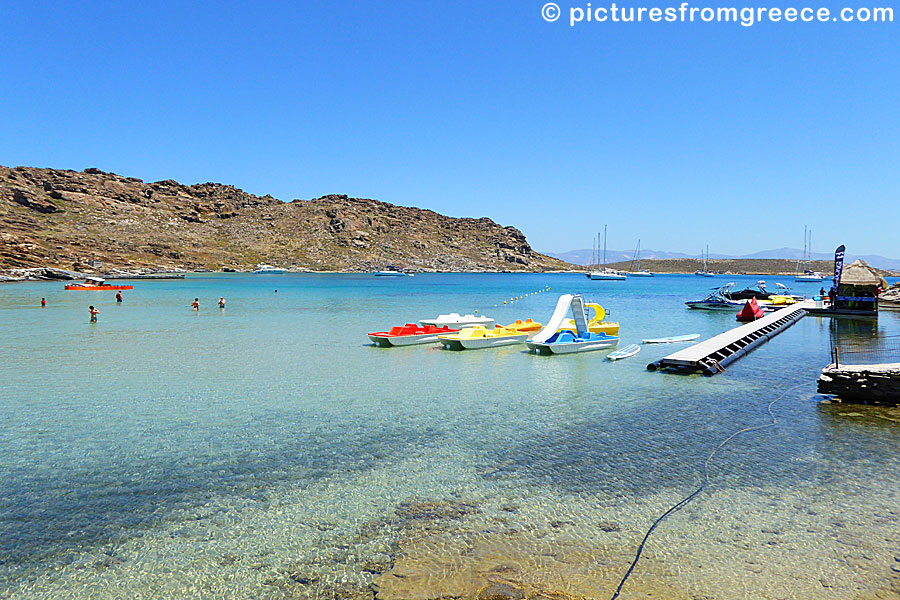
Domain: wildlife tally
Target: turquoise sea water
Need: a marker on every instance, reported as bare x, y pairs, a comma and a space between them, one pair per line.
268, 451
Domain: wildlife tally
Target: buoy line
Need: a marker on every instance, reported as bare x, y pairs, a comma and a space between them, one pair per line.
684, 501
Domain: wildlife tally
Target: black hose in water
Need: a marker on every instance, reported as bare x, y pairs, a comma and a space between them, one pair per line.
681, 503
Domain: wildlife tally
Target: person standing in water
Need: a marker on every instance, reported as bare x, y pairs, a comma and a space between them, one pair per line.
119, 297
222, 302
196, 304
43, 302
94, 312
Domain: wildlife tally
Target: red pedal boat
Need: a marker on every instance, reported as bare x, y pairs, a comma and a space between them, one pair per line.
96, 284
409, 334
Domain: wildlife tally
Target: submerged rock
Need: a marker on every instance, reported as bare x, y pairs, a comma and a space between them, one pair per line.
433, 511
500, 591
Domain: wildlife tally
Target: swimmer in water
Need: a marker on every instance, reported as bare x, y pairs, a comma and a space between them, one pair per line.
222, 302
43, 302
196, 304
94, 312
119, 298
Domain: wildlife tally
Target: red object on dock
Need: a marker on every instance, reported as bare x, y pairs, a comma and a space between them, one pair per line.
750, 312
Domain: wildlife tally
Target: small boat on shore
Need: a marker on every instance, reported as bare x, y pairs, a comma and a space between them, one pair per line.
458, 321
95, 284
409, 334
476, 337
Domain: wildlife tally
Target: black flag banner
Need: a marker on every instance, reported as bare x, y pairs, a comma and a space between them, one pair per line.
838, 266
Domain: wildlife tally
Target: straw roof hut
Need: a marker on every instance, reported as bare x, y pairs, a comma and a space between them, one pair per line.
859, 273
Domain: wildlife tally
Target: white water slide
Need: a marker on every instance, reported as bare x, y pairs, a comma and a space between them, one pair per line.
565, 303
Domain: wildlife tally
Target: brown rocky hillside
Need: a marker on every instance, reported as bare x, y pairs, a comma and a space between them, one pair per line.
65, 219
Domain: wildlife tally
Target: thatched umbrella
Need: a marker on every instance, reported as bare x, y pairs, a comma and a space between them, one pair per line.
859, 273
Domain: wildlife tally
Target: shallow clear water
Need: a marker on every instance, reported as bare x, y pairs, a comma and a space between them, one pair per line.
268, 451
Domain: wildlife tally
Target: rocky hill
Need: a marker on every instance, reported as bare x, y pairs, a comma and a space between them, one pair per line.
67, 219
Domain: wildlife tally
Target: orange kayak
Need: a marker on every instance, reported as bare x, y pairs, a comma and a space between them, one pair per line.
81, 286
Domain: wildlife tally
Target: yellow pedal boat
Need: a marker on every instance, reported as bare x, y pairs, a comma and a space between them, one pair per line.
471, 338
596, 323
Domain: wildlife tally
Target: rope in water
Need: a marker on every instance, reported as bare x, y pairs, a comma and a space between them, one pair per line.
523, 296
680, 504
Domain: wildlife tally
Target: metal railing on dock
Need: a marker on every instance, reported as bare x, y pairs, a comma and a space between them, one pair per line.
713, 355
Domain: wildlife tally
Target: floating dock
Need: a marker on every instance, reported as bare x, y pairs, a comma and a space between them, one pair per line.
713, 355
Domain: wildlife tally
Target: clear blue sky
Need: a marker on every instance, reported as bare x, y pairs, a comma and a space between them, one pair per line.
680, 134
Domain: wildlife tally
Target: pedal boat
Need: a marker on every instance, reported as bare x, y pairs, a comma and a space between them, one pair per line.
472, 338
409, 334
458, 321
596, 323
567, 342
94, 284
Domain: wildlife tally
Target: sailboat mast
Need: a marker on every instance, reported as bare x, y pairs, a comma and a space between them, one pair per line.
387, 252
809, 252
639, 255
604, 247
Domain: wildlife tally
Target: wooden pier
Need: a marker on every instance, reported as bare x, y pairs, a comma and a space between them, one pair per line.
713, 355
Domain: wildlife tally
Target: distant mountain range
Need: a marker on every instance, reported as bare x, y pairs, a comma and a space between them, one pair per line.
583, 257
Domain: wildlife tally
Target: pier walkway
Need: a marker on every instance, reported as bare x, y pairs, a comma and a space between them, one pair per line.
713, 355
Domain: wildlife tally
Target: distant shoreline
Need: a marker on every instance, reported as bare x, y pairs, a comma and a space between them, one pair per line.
56, 274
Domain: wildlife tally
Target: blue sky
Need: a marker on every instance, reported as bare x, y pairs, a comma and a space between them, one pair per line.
680, 134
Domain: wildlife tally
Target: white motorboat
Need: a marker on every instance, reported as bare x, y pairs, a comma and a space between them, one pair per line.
458, 321
718, 299
267, 270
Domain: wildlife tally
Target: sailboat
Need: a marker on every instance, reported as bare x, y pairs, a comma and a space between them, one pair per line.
390, 271
605, 273
636, 270
705, 272
808, 274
